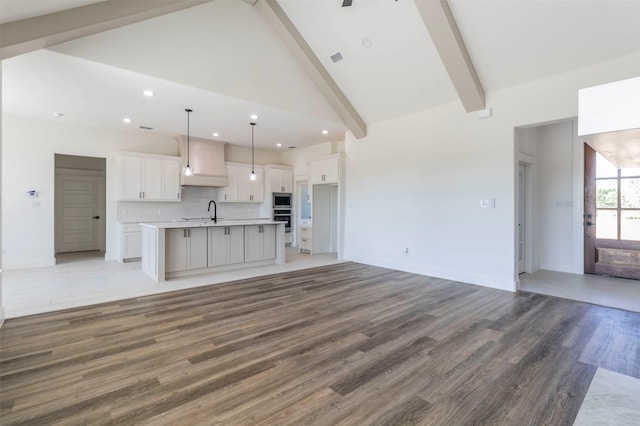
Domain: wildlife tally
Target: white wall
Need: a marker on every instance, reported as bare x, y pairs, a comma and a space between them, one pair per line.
416, 181
240, 154
29, 147
300, 157
554, 197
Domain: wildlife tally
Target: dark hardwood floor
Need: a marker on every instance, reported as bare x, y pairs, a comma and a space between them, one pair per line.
344, 344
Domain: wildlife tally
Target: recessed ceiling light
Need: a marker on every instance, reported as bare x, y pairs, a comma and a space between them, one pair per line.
216, 134
149, 93
254, 117
325, 132
126, 120
367, 43
58, 114
278, 145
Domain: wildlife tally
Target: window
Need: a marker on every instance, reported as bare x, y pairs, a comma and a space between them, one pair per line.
617, 201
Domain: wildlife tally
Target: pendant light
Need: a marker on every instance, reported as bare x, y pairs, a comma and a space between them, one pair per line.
187, 170
253, 176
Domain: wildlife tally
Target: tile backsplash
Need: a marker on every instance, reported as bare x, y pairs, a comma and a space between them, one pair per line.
195, 201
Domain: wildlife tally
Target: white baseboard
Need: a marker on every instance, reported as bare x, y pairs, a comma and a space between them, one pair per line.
448, 274
24, 263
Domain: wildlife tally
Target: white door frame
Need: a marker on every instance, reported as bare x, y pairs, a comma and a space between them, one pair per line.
522, 219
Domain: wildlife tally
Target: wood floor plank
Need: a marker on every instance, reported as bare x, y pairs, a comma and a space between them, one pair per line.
340, 344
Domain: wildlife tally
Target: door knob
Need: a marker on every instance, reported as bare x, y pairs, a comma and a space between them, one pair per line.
589, 223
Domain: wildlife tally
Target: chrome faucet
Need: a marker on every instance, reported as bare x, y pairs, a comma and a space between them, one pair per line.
215, 211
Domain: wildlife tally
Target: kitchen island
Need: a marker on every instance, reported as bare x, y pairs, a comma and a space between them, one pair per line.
186, 247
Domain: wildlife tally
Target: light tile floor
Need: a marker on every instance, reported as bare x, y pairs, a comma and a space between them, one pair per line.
612, 399
612, 292
80, 279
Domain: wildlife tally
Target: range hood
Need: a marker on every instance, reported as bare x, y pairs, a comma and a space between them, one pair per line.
609, 121
206, 158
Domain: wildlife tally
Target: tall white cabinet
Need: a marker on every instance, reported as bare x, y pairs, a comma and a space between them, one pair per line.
323, 233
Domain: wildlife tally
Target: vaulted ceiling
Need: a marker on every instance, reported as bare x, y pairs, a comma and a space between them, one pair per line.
227, 59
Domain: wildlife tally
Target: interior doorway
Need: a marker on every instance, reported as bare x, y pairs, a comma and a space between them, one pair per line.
611, 217
80, 206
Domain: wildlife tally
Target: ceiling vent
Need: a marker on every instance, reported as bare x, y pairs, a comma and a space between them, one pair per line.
336, 57
346, 3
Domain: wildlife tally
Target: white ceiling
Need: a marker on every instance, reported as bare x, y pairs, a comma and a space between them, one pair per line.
224, 61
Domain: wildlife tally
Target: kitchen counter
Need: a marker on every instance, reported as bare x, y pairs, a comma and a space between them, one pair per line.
196, 223
199, 245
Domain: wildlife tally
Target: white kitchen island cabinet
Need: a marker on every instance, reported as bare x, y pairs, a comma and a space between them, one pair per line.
186, 249
173, 249
259, 242
226, 245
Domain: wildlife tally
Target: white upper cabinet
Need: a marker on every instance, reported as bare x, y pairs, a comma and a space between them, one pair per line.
326, 170
171, 180
151, 179
147, 177
281, 180
241, 189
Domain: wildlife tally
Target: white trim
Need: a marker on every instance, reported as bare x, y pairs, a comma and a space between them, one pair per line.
80, 172
578, 201
30, 262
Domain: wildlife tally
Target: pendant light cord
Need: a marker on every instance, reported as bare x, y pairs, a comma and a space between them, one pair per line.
188, 147
253, 125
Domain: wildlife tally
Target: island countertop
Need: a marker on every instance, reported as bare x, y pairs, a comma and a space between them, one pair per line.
197, 223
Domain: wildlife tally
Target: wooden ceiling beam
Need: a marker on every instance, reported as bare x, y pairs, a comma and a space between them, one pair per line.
442, 26
291, 37
40, 32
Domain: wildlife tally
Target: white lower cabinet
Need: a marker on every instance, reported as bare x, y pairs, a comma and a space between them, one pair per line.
131, 238
305, 233
226, 245
259, 243
185, 248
